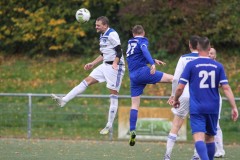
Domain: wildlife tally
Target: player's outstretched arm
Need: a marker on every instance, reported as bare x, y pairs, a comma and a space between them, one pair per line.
93, 63
158, 62
229, 94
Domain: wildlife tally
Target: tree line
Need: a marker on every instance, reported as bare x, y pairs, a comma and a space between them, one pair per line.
49, 27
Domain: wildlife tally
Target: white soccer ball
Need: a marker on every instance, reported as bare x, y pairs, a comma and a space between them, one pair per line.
83, 15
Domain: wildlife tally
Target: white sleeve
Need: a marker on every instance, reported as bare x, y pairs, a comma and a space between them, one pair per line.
114, 39
177, 75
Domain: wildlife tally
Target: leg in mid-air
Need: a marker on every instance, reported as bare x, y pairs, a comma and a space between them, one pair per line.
113, 79
133, 119
112, 112
75, 91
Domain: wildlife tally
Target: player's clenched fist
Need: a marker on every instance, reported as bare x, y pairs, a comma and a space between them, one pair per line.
88, 66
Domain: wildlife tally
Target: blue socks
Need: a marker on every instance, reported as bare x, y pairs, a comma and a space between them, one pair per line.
211, 150
133, 119
205, 151
202, 150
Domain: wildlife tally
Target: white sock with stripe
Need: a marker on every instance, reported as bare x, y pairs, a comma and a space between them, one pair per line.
112, 109
75, 91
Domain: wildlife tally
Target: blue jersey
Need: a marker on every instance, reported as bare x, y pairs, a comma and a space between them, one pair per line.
204, 76
136, 58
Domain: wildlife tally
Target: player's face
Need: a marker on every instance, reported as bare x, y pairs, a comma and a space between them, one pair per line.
100, 27
212, 54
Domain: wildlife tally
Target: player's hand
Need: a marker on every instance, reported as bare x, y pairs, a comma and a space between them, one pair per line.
115, 66
234, 114
88, 66
153, 69
158, 62
170, 100
176, 104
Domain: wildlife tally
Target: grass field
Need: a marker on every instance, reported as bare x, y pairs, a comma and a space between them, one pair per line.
44, 149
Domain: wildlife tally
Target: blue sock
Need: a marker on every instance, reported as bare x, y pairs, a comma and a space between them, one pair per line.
202, 150
133, 119
211, 150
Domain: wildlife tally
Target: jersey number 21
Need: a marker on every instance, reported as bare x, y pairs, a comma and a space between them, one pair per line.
205, 75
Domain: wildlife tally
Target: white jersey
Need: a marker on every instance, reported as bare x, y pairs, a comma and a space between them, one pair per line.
182, 62
108, 41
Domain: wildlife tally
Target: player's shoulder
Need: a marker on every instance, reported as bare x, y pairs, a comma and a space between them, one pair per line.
190, 55
111, 32
143, 40
139, 40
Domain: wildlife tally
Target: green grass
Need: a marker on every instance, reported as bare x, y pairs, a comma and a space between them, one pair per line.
82, 117
49, 149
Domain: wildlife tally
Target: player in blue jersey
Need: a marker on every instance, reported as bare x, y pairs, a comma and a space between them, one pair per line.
138, 58
110, 71
204, 76
181, 112
218, 138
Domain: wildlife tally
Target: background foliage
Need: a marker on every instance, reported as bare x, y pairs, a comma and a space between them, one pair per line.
44, 29
49, 27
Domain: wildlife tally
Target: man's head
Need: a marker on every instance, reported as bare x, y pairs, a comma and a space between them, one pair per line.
138, 30
193, 42
102, 24
212, 53
203, 46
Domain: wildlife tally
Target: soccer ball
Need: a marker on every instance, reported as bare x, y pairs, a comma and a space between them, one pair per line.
83, 15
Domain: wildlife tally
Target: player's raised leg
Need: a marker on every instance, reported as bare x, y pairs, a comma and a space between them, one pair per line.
75, 91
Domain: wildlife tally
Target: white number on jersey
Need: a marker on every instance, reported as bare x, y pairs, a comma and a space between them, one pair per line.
205, 75
131, 48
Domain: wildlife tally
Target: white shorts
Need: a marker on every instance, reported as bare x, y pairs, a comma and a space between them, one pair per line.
183, 109
105, 73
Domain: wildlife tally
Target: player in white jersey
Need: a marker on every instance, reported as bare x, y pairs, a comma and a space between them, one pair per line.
110, 71
181, 112
218, 138
220, 152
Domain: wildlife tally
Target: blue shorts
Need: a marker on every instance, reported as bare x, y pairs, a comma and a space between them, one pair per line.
140, 78
206, 123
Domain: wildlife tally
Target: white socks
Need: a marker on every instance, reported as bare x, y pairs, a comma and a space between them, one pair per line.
219, 139
112, 109
75, 91
170, 143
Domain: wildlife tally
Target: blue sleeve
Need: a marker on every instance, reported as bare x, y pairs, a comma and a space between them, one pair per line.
223, 77
147, 54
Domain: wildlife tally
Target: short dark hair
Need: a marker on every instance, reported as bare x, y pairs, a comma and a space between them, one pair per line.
194, 41
203, 44
104, 20
138, 29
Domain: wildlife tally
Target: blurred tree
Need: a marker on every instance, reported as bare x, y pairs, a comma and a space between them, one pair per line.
42, 26
49, 27
169, 24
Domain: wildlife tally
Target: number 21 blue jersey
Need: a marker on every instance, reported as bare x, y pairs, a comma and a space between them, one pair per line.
204, 76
